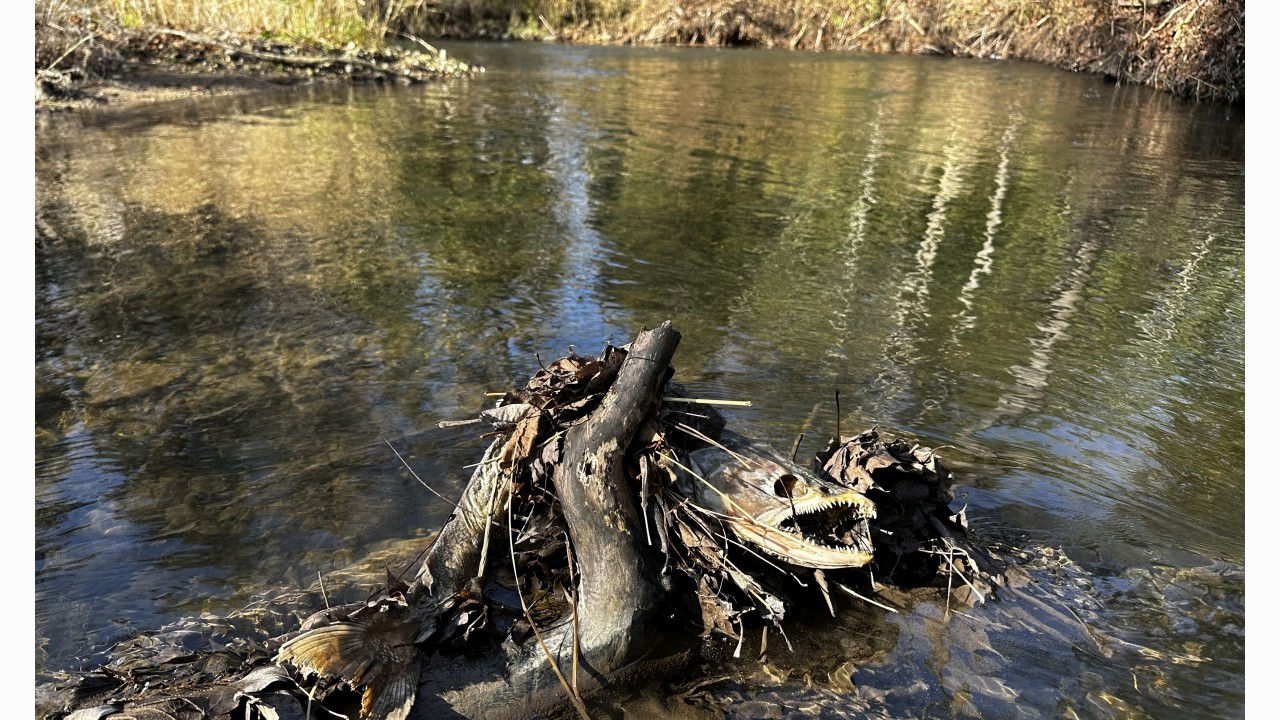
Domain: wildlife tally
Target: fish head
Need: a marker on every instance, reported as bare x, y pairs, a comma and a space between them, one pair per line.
776, 506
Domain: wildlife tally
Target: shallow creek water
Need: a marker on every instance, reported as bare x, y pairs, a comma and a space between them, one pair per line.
246, 307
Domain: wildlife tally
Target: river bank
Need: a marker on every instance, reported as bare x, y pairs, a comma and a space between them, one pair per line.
1193, 49
89, 60
117, 54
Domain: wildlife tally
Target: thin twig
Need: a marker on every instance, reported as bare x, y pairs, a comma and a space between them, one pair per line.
982, 599
914, 24
863, 598
746, 516
415, 476
488, 525
644, 496
838, 438
1165, 21
868, 26
950, 554
555, 667
323, 594
715, 443
950, 575
708, 401
573, 601
63, 56
723, 495
821, 577
431, 48
795, 448
783, 633
762, 558
554, 34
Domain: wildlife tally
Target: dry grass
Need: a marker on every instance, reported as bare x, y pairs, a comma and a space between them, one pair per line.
524, 19
1193, 48
1190, 47
331, 22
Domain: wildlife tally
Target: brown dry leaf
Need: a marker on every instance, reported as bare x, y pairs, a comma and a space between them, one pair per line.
572, 411
522, 441
860, 479
506, 416
587, 369
611, 361
901, 450
880, 459
395, 586
839, 460
568, 365
716, 613
698, 541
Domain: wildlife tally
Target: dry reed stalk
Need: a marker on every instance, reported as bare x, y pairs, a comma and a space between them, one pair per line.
864, 598
709, 401
331, 22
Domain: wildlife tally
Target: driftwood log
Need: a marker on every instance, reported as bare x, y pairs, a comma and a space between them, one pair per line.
620, 573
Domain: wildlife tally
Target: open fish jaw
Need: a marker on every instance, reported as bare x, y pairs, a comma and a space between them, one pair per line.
831, 534
828, 508
784, 510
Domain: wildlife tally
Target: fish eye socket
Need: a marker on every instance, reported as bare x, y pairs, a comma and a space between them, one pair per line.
788, 486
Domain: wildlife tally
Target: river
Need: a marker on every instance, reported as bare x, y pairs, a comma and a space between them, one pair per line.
246, 307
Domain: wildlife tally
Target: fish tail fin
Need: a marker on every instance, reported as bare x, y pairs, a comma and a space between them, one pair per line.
374, 652
390, 695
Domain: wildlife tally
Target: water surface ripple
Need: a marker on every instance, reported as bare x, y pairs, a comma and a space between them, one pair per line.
244, 306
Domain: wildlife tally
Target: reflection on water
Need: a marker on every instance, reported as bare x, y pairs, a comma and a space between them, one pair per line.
983, 260
246, 308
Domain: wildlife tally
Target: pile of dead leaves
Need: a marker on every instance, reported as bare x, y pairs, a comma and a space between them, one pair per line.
915, 530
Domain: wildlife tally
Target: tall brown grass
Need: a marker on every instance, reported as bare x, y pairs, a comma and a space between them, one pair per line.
332, 22
1192, 47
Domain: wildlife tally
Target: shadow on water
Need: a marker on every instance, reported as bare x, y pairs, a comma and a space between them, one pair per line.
246, 308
